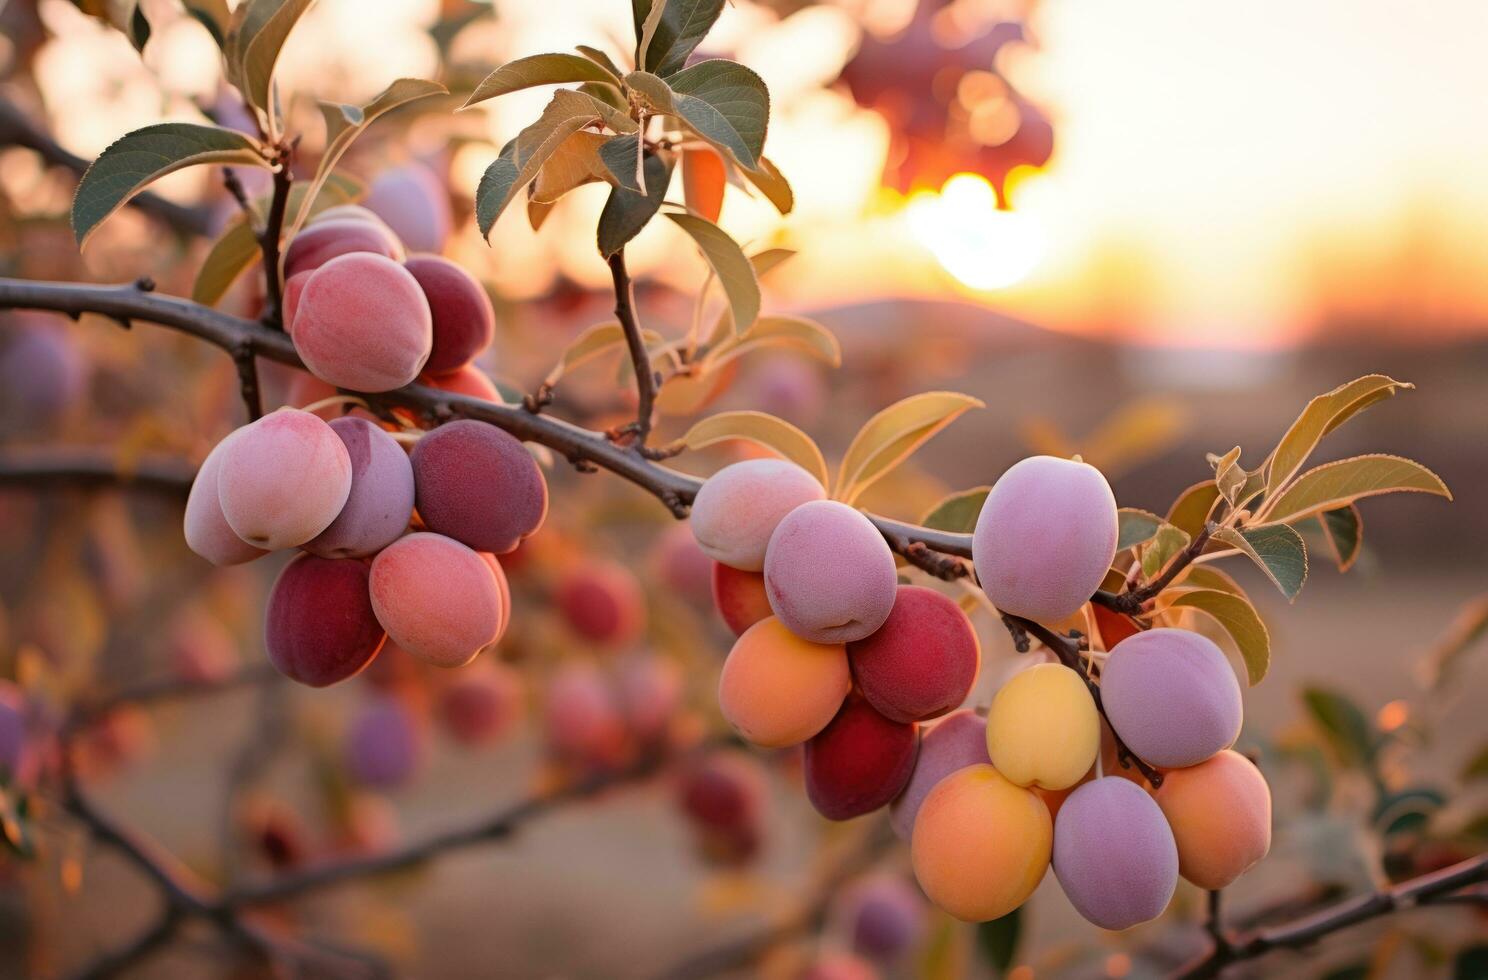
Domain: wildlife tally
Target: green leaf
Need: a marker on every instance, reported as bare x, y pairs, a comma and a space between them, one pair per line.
254, 50
1343, 529
344, 123
1135, 527
957, 513
627, 212
574, 163
539, 69
520, 160
601, 59
887, 439
1193, 507
620, 157
774, 434
998, 940
1407, 810
137, 159
1346, 728
1322, 415
1471, 963
733, 269
665, 38
721, 101
238, 247
1337, 484
1238, 618
1277, 549
1164, 546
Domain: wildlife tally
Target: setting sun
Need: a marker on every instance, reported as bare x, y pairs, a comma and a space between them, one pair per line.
982, 247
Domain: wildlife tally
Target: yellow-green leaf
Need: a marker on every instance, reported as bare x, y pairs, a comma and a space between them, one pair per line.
591, 343
734, 271
773, 185
1165, 544
1276, 549
958, 512
237, 248
1464, 634
1209, 577
255, 47
1239, 619
888, 438
790, 332
1322, 415
774, 434
539, 69
1193, 507
137, 159
762, 263
1134, 527
1228, 475
1347, 480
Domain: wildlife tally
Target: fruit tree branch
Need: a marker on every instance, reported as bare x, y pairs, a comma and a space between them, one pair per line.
647, 379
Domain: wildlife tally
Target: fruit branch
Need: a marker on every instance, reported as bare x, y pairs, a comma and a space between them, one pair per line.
16, 129
1439, 887
244, 338
71, 468
647, 378
1131, 601
268, 243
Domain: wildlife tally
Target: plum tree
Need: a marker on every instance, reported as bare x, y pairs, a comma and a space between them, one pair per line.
436, 598
320, 627
1171, 696
463, 321
282, 480
859, 762
778, 689
478, 485
829, 573
739, 507
380, 503
981, 845
954, 742
1043, 729
1059, 509
1220, 812
1114, 854
922, 661
361, 321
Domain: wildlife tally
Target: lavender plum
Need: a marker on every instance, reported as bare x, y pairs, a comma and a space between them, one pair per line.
319, 627
859, 762
1045, 538
1114, 854
1172, 697
478, 485
954, 742
886, 916
829, 573
436, 598
283, 479
386, 744
380, 503
462, 316
361, 322
207, 531
739, 507
922, 661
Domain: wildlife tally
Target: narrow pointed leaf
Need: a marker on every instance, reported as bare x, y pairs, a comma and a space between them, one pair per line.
539, 69
596, 341
627, 212
677, 31
1193, 507
265, 28
790, 332
888, 438
1336, 484
734, 271
775, 434
957, 513
773, 185
1345, 726
1322, 415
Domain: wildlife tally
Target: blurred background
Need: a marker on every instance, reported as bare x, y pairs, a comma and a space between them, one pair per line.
1137, 233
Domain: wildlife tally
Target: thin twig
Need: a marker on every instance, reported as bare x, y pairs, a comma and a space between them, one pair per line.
268, 242
647, 379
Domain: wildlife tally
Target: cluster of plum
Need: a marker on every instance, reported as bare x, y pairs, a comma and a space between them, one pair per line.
347, 492
833, 653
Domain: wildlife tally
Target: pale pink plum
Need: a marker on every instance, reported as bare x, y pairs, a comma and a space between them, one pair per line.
859, 762
483, 703
464, 322
739, 507
436, 598
293, 287
602, 602
922, 662
503, 588
829, 573
386, 744
582, 718
322, 241
740, 597
649, 688
468, 380
681, 565
207, 531
319, 627
283, 479
1114, 854
380, 504
478, 485
361, 322
412, 200
1045, 538
347, 212
1172, 697
956, 741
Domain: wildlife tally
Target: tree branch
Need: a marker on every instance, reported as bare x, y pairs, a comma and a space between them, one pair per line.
16, 129
1131, 601
647, 379
268, 243
65, 468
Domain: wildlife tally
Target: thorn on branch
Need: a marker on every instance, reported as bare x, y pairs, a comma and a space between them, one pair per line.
540, 399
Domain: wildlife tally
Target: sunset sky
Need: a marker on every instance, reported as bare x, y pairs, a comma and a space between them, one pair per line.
1220, 170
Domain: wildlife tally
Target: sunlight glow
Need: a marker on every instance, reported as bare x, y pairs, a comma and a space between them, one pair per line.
982, 247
